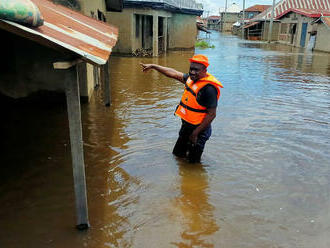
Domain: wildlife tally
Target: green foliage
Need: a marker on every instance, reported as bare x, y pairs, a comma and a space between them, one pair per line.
203, 44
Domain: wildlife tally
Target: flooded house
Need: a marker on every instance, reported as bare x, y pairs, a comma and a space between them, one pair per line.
213, 23
155, 26
253, 30
52, 57
321, 30
307, 10
298, 28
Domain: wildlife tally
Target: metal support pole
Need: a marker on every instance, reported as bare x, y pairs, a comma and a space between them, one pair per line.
224, 17
270, 29
243, 18
77, 152
155, 36
106, 84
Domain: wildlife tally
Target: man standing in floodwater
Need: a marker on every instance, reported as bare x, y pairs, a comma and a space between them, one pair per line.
197, 108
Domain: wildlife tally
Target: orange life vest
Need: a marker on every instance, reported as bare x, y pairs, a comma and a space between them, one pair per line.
189, 109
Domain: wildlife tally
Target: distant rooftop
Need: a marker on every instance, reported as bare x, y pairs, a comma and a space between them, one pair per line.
214, 17
283, 5
258, 8
313, 13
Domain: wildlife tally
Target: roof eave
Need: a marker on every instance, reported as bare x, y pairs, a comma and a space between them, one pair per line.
31, 34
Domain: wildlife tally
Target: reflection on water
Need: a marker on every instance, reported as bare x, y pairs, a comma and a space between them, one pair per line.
263, 182
195, 210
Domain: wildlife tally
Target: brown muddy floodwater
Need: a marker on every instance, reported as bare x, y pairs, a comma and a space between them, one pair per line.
264, 180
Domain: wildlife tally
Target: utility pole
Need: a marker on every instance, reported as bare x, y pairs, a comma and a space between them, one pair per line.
243, 19
224, 17
270, 30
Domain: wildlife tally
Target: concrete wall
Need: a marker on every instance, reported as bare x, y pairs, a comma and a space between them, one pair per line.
182, 31
28, 67
322, 38
90, 8
301, 20
228, 20
275, 31
124, 21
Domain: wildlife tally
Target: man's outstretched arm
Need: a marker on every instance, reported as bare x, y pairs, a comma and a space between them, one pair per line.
167, 71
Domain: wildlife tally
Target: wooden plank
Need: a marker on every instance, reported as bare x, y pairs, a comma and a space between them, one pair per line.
74, 115
66, 64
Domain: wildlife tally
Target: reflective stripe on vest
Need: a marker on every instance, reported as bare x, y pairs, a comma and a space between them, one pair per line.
189, 109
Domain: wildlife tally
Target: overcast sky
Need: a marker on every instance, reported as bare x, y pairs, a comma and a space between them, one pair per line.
213, 5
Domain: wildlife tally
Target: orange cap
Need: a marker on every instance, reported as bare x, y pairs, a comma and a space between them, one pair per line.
201, 59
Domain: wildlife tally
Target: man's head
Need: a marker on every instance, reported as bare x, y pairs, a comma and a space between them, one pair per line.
198, 65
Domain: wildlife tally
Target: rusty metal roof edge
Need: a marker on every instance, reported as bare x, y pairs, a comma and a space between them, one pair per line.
324, 18
70, 48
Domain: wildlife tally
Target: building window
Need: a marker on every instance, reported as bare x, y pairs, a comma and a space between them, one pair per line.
114, 5
250, 15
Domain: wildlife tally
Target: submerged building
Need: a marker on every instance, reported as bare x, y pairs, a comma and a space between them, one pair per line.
302, 28
296, 23
155, 26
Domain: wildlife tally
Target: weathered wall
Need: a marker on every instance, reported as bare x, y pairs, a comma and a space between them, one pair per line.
28, 67
322, 38
275, 31
231, 17
90, 8
124, 21
182, 31
228, 20
301, 20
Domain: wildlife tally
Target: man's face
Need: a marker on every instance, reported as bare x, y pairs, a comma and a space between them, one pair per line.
196, 71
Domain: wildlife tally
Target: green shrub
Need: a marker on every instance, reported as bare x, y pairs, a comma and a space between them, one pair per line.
203, 44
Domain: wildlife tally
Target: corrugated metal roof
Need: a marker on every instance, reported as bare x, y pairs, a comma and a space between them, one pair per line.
284, 5
313, 13
326, 20
64, 28
257, 8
